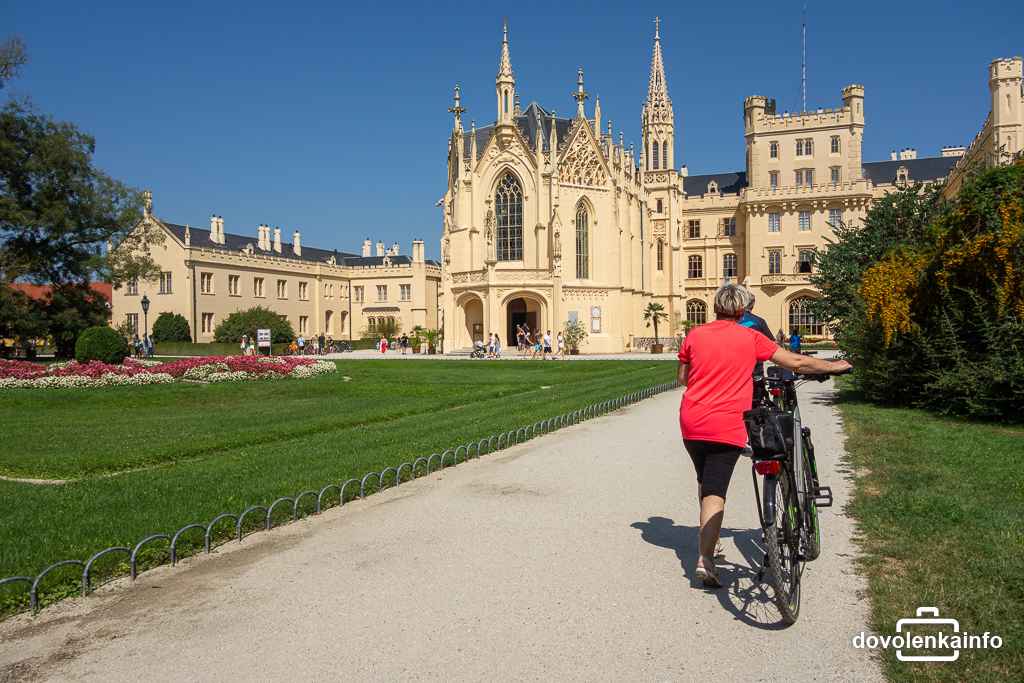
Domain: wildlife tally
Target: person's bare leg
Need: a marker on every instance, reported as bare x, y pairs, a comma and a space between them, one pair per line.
712, 510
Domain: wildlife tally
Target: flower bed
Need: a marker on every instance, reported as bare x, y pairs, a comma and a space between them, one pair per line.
73, 375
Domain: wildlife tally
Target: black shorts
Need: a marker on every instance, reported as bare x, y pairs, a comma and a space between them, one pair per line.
714, 463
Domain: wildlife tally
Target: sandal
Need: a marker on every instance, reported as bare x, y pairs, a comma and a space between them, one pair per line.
707, 574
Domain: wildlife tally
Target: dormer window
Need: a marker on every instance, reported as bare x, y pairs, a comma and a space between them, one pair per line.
712, 187
902, 175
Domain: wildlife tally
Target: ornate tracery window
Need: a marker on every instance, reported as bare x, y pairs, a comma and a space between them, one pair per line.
582, 243
508, 204
696, 312
655, 156
801, 317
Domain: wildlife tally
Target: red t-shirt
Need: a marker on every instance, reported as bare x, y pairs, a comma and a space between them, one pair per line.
721, 356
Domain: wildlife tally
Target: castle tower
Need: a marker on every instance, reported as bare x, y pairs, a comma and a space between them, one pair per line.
658, 122
1004, 82
505, 83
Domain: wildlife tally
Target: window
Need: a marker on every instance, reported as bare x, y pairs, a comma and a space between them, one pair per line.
282, 289
729, 265
659, 205
834, 174
806, 261
696, 312
774, 262
693, 229
801, 317
808, 147
133, 322
805, 220
165, 282
695, 266
303, 324
257, 286
233, 285
773, 179
357, 294
303, 291
773, 150
405, 292
132, 288
207, 323
654, 146
774, 222
835, 217
664, 155
798, 177
661, 254
582, 243
206, 283
382, 292
371, 324
729, 226
804, 177
834, 149
508, 203
800, 147
329, 322
712, 187
328, 290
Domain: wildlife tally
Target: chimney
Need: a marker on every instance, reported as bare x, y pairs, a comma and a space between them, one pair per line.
380, 248
213, 228
296, 244
892, 155
277, 240
417, 251
953, 151
188, 236
367, 246
394, 249
908, 153
683, 171
220, 230
264, 237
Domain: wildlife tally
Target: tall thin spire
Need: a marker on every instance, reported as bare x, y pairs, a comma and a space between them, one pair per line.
580, 95
657, 147
457, 107
505, 83
657, 86
803, 59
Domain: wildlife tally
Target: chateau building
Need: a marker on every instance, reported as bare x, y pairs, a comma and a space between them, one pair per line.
549, 219
208, 274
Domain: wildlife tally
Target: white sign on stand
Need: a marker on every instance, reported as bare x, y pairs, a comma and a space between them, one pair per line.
263, 340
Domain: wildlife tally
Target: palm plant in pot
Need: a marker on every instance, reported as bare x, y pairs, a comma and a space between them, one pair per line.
432, 337
416, 338
653, 314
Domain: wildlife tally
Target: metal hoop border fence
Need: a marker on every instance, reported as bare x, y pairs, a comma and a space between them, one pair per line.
424, 464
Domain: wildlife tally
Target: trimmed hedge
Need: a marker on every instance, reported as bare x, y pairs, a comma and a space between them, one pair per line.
101, 343
248, 321
171, 327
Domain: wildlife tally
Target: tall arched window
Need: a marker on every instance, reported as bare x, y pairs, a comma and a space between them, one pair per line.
664, 155
508, 204
696, 312
582, 243
661, 254
801, 317
695, 266
729, 265
654, 146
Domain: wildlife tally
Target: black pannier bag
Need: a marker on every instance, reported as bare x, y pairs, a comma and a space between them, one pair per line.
770, 431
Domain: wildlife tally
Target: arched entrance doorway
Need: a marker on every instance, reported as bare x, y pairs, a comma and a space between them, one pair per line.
522, 310
473, 314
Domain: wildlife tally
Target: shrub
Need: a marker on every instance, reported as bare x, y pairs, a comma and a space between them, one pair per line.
171, 327
101, 343
247, 322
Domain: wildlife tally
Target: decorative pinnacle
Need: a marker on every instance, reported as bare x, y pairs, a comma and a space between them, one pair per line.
457, 107
657, 28
505, 65
580, 95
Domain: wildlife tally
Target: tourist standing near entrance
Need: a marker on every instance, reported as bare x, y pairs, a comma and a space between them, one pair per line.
715, 365
561, 345
520, 340
382, 345
302, 345
547, 345
497, 346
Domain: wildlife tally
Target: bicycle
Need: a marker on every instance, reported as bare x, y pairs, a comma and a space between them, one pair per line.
783, 454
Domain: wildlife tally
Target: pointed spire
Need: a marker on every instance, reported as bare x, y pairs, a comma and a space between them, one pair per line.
597, 117
516, 110
472, 140
580, 95
505, 65
553, 139
457, 107
188, 236
657, 87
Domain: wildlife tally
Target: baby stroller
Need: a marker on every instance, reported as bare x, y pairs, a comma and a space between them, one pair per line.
479, 350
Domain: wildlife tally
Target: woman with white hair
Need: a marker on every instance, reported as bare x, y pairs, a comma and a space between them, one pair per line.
715, 364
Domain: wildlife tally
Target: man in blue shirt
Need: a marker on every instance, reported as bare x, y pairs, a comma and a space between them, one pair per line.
794, 341
757, 323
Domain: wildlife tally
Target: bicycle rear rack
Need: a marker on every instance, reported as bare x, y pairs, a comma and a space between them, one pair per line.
823, 497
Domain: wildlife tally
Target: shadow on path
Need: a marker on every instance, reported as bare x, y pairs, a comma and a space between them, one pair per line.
741, 594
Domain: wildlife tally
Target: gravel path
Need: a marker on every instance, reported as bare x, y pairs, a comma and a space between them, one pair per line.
566, 558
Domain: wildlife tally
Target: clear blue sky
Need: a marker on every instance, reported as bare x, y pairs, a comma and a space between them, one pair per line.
333, 118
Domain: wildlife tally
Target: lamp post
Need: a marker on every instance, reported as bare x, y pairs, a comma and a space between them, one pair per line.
145, 315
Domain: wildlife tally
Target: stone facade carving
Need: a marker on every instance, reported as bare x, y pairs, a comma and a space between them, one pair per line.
580, 164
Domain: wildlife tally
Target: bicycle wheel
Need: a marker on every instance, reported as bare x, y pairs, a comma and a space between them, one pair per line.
811, 523
781, 538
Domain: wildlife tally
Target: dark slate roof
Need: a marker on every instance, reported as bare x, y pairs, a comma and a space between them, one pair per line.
534, 117
728, 183
376, 260
921, 170
232, 242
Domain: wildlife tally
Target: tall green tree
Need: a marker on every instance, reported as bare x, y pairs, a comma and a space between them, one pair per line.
58, 215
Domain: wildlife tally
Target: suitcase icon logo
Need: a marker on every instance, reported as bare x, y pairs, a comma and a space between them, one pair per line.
927, 616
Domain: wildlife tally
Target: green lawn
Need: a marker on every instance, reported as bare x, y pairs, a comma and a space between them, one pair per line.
940, 504
152, 459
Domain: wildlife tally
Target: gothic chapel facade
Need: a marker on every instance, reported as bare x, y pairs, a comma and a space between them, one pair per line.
547, 219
